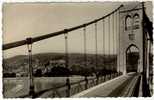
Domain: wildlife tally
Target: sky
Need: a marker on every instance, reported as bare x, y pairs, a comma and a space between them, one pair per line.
22, 20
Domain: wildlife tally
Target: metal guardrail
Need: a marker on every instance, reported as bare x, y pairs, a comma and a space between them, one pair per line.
68, 89
132, 88
76, 87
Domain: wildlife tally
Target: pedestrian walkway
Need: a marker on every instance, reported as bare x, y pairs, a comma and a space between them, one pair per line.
120, 86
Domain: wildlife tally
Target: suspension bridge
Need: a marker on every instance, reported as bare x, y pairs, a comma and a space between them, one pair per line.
127, 73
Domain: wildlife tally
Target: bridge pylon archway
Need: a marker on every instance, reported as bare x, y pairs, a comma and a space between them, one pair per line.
132, 58
131, 35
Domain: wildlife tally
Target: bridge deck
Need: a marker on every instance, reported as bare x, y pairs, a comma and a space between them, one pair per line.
121, 86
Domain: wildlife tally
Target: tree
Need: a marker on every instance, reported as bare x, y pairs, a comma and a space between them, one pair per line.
38, 73
60, 71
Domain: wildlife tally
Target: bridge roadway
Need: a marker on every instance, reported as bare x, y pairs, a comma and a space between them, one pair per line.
122, 86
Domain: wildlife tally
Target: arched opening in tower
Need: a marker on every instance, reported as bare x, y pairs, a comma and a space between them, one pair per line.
132, 58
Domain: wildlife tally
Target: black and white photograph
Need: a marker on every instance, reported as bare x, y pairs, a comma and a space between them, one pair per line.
77, 49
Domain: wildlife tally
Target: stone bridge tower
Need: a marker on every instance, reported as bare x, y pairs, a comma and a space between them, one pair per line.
131, 39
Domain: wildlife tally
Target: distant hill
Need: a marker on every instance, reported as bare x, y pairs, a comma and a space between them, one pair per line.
20, 62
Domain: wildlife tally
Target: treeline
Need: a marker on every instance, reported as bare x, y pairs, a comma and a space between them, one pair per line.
53, 72
20, 63
62, 72
9, 74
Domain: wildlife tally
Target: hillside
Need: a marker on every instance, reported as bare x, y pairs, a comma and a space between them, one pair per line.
20, 63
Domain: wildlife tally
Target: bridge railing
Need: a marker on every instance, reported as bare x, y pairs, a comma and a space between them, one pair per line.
70, 88
76, 87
